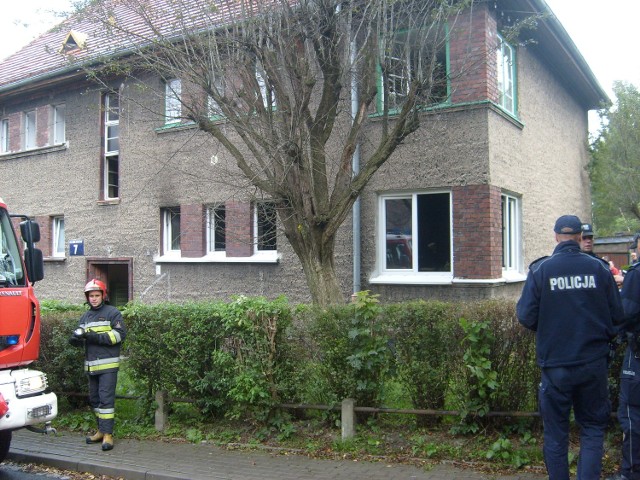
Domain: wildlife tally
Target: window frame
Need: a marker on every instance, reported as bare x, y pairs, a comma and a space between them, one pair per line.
58, 243
380, 81
512, 245
385, 275
506, 76
30, 130
213, 227
258, 237
111, 157
168, 216
4, 136
172, 101
59, 124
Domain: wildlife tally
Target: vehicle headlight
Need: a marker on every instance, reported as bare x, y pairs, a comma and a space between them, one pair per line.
30, 383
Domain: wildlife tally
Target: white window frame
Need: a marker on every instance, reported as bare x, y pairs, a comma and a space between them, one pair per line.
257, 250
58, 240
4, 136
506, 59
111, 157
262, 83
168, 233
212, 227
384, 275
512, 254
173, 103
59, 124
30, 137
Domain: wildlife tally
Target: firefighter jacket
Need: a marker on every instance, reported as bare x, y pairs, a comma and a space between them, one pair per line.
105, 331
571, 301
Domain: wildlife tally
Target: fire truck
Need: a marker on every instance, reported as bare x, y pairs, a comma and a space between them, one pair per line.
23, 400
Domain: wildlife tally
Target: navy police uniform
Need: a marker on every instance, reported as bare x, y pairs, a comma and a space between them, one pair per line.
629, 402
571, 301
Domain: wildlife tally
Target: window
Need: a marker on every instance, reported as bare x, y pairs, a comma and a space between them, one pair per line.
511, 244
412, 58
216, 229
4, 136
59, 134
506, 76
30, 129
57, 249
262, 83
170, 230
416, 233
173, 106
213, 109
111, 146
265, 226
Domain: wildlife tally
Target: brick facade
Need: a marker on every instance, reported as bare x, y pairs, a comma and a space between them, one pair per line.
477, 227
193, 238
239, 229
473, 57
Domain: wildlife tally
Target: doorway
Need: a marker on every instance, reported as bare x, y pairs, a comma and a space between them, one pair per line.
117, 274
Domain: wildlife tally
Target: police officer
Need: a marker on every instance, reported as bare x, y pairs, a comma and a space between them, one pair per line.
586, 244
101, 330
572, 303
629, 401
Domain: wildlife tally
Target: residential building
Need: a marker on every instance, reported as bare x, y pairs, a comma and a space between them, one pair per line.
126, 192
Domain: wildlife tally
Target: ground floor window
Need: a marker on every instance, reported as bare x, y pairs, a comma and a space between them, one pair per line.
416, 232
511, 236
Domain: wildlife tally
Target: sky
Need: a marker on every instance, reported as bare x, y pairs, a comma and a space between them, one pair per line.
605, 32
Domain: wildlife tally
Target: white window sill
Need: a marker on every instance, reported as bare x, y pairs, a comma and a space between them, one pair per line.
55, 258
220, 257
412, 278
442, 278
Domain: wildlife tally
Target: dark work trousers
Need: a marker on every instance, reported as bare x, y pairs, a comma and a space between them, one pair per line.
629, 415
102, 397
585, 388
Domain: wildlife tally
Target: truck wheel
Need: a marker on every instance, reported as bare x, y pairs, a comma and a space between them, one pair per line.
5, 443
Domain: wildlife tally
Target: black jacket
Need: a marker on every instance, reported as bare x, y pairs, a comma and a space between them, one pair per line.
571, 301
105, 332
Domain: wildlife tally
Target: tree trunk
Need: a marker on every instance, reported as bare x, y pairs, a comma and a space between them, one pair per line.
317, 259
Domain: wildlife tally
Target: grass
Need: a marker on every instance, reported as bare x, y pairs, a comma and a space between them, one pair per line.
505, 445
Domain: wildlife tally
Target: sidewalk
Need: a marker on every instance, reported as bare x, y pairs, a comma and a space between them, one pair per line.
157, 460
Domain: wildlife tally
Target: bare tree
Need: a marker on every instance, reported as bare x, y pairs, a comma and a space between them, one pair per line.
288, 88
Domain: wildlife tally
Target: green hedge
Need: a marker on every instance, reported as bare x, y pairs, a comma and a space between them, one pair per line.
241, 358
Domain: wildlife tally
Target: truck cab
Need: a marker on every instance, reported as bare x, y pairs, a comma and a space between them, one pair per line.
23, 400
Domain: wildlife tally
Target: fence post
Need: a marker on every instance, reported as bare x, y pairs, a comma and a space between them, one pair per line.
161, 415
348, 420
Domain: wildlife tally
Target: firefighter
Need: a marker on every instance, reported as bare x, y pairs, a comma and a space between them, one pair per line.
101, 330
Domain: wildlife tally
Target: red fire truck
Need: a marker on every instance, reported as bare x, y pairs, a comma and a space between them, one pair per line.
23, 400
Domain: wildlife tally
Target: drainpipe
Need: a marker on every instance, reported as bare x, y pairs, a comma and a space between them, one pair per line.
356, 168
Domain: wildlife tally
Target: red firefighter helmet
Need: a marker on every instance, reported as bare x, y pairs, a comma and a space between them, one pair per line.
95, 285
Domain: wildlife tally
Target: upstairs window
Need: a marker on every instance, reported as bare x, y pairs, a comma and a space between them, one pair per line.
57, 248
4, 136
268, 96
506, 76
216, 229
173, 105
511, 237
265, 223
59, 124
170, 230
416, 233
213, 109
409, 58
30, 129
111, 146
